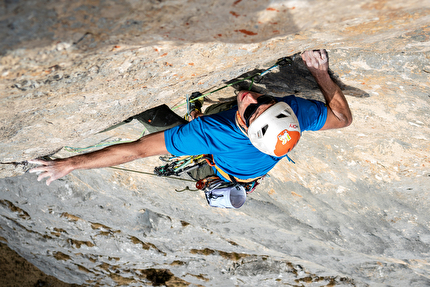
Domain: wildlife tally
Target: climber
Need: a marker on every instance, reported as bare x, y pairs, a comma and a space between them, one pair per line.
245, 141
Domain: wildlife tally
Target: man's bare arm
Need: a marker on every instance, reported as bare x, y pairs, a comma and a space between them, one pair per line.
146, 146
338, 112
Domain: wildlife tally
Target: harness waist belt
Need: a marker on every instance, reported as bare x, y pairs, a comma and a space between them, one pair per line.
228, 176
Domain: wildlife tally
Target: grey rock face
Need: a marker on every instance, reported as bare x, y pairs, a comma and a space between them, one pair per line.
352, 211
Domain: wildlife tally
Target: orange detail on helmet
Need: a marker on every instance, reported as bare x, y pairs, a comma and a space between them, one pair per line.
287, 140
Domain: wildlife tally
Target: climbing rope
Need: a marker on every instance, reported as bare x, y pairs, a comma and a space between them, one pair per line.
148, 173
49, 158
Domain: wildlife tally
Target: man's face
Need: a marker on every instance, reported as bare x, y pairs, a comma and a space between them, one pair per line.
245, 98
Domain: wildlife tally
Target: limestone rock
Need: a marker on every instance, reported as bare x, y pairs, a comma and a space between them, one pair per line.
352, 211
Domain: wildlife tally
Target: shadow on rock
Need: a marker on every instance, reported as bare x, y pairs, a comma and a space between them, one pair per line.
292, 78
91, 25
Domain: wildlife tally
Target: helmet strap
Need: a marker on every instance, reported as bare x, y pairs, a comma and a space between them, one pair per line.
241, 125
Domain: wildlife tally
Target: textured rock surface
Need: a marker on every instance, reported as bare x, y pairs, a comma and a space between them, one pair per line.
353, 210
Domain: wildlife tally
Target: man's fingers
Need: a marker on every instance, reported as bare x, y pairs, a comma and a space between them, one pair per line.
51, 170
316, 60
311, 58
37, 169
43, 175
323, 53
324, 56
305, 56
49, 180
317, 56
45, 170
37, 161
45, 165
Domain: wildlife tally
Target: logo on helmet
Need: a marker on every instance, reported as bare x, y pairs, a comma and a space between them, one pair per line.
284, 137
286, 140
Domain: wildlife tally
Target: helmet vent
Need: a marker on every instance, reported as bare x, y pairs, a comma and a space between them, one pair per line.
264, 129
280, 116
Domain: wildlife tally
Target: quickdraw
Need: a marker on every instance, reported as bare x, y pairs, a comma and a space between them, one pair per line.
178, 165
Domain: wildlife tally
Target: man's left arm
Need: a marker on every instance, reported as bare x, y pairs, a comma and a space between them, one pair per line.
338, 112
150, 145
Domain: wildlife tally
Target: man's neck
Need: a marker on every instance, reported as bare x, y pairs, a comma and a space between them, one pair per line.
241, 124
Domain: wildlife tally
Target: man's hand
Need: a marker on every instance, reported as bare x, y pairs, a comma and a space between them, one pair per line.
316, 61
52, 169
338, 112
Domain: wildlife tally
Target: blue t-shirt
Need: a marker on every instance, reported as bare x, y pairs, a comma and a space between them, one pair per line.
232, 151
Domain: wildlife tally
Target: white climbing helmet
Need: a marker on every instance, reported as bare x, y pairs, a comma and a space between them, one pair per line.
276, 131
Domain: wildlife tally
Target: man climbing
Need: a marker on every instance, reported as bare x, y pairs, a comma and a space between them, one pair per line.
245, 141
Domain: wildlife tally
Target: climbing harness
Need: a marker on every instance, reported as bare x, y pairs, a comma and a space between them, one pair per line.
179, 165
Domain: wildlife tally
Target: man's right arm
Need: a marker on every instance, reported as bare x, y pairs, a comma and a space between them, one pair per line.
146, 146
338, 111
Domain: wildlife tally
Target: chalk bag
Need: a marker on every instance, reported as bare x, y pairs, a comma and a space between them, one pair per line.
232, 196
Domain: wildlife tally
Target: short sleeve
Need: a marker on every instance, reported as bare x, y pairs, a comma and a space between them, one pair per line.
186, 139
311, 114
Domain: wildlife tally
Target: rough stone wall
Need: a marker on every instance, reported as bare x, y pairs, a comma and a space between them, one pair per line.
352, 211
